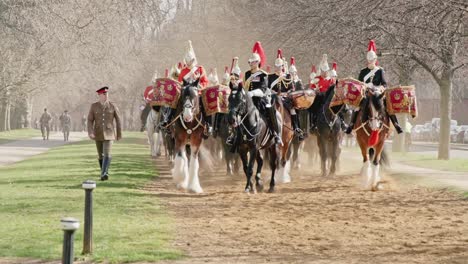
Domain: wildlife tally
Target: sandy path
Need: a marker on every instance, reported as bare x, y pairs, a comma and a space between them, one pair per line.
315, 220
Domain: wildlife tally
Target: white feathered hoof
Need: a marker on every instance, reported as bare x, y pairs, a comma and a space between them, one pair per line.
179, 172
366, 176
194, 183
283, 173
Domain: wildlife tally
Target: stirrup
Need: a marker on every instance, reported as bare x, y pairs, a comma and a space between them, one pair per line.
230, 140
299, 133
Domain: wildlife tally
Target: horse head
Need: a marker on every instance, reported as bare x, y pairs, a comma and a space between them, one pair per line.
237, 105
375, 109
190, 101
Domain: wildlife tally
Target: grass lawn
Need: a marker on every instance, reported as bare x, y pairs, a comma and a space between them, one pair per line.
431, 161
129, 224
9, 136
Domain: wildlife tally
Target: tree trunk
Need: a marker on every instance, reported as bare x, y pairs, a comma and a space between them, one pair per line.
445, 115
28, 112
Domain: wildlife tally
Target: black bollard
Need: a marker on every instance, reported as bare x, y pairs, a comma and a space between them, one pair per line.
69, 226
89, 186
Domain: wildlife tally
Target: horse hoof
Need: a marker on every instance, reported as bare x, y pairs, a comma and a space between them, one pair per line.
196, 190
247, 190
259, 187
271, 190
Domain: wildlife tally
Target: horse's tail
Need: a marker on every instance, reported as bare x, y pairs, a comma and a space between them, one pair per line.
384, 159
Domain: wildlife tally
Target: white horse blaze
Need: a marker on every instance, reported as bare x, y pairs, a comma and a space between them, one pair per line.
187, 114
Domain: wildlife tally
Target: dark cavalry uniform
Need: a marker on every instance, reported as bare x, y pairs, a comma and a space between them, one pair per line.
377, 79
260, 81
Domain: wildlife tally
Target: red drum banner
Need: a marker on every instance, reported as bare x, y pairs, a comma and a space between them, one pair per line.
401, 100
215, 99
166, 93
349, 91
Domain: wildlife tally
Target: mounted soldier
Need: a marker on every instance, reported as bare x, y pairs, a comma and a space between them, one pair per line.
191, 73
320, 84
374, 78
256, 83
280, 82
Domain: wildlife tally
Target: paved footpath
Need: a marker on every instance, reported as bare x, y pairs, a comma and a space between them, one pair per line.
22, 149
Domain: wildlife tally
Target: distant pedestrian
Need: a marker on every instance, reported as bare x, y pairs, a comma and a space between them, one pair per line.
65, 123
45, 124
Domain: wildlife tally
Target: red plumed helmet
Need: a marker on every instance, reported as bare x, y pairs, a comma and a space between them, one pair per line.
166, 73
293, 61
279, 54
226, 69
313, 70
179, 66
258, 54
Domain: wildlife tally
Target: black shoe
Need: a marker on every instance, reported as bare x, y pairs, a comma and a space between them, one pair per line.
105, 177
299, 134
398, 129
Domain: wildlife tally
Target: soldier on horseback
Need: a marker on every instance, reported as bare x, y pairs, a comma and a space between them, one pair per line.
280, 82
374, 78
256, 83
321, 84
190, 74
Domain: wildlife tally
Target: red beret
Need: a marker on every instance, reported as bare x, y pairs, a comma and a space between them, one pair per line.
102, 90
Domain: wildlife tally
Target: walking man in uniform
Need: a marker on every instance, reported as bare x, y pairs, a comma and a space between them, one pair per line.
45, 124
65, 123
102, 130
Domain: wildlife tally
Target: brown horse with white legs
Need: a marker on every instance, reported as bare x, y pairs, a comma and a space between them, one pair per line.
372, 128
188, 129
287, 135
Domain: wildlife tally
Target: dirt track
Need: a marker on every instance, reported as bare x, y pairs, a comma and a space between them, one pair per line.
314, 220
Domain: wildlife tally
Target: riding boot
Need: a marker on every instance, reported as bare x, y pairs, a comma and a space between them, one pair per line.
273, 124
353, 121
297, 128
105, 168
344, 127
395, 124
100, 164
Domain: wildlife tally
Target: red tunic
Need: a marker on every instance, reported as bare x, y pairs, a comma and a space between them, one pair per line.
200, 70
322, 84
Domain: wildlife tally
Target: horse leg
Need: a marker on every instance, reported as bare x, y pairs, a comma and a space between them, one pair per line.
365, 170
274, 154
258, 175
323, 156
180, 171
285, 165
376, 167
295, 157
245, 165
335, 155
194, 182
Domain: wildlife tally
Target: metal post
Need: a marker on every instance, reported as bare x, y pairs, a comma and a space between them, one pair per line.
69, 226
89, 186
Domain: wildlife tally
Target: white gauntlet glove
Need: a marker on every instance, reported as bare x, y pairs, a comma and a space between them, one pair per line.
255, 93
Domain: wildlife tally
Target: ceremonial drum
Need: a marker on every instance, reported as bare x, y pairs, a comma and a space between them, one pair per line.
166, 93
302, 99
349, 91
149, 94
401, 100
215, 99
